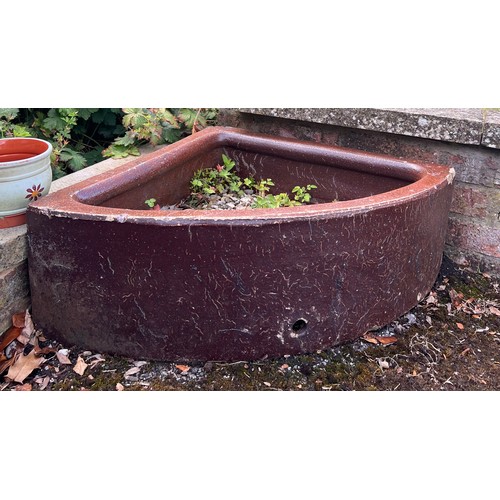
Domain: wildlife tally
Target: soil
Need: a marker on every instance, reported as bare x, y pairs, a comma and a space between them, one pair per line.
449, 342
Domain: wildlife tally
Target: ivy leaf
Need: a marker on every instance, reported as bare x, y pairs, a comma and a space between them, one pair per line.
9, 113
75, 160
120, 151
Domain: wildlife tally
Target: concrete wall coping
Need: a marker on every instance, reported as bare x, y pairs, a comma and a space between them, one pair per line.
473, 126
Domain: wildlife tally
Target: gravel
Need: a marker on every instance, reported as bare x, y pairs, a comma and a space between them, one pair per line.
224, 201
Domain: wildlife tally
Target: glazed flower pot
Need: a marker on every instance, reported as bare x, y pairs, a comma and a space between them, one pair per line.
25, 176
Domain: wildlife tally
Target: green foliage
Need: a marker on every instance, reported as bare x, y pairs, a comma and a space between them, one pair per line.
74, 159
263, 186
274, 201
7, 127
217, 180
82, 136
116, 150
9, 113
158, 126
151, 202
77, 135
302, 193
222, 180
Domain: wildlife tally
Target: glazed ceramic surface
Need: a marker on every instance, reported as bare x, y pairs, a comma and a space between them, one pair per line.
108, 274
25, 173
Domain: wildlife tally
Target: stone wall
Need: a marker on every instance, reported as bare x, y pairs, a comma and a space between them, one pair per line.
14, 288
466, 139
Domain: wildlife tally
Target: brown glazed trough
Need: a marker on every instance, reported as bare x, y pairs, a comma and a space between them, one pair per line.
111, 276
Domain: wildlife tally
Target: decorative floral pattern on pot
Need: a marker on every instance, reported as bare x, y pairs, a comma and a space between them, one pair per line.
35, 192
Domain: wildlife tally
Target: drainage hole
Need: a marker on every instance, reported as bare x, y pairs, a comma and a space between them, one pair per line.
300, 325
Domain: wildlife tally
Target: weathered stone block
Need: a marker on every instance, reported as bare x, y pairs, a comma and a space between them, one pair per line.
14, 293
468, 235
491, 132
13, 282
13, 247
464, 126
481, 203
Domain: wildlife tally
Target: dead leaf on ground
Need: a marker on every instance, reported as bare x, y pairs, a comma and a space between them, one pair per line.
183, 368
370, 338
267, 384
9, 336
132, 371
456, 298
23, 339
431, 299
379, 339
387, 340
63, 358
24, 387
80, 366
43, 382
29, 327
43, 350
23, 367
18, 320
494, 310
119, 387
460, 326
96, 361
7, 363
383, 364
140, 363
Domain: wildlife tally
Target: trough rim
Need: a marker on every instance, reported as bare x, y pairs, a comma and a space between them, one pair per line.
80, 201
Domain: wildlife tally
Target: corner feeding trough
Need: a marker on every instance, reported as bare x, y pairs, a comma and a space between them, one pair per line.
110, 275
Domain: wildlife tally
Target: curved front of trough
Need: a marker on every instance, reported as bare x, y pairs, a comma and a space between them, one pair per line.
109, 276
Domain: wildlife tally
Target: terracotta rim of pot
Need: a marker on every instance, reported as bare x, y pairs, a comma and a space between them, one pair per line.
12, 220
17, 151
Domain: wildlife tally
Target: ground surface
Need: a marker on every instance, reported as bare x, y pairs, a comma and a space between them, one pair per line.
450, 341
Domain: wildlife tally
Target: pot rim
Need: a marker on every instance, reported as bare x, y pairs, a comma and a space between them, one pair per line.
20, 163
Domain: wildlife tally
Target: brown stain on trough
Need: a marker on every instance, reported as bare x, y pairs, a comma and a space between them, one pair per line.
108, 275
